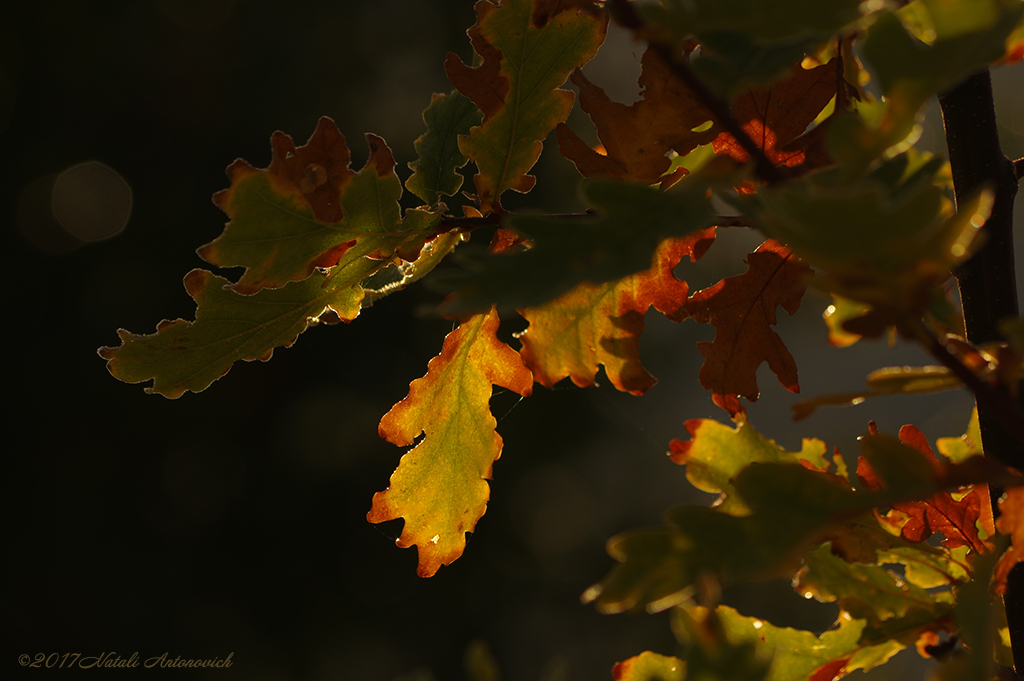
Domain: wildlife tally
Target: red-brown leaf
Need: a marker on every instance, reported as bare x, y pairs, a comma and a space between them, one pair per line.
742, 308
638, 137
776, 116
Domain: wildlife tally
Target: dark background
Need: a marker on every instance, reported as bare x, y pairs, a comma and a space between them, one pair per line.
233, 521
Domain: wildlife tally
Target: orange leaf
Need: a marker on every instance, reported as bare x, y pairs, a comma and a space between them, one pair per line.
601, 324
1011, 522
957, 520
440, 485
637, 138
742, 308
776, 116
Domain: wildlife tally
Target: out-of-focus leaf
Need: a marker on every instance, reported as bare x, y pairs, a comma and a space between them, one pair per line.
742, 308
958, 449
888, 240
867, 592
715, 454
712, 653
526, 55
637, 137
838, 313
744, 44
229, 327
621, 239
648, 666
797, 655
308, 210
885, 381
440, 487
777, 115
601, 324
447, 117
799, 508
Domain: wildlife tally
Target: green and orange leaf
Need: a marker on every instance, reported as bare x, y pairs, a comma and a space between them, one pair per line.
957, 518
309, 210
638, 137
600, 324
742, 308
440, 487
528, 49
648, 666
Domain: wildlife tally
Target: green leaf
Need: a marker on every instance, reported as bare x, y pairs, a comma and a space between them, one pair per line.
868, 592
892, 237
447, 117
969, 35
796, 655
745, 44
527, 54
229, 327
308, 210
648, 666
716, 453
619, 240
797, 507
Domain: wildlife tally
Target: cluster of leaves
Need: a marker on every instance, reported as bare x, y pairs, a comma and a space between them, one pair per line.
761, 105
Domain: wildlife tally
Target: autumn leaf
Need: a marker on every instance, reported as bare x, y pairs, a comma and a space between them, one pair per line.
616, 239
440, 486
1010, 522
447, 117
638, 137
797, 655
775, 116
308, 210
600, 324
648, 666
527, 52
956, 518
868, 592
742, 308
715, 454
229, 327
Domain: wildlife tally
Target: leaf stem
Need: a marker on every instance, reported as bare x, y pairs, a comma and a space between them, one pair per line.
626, 15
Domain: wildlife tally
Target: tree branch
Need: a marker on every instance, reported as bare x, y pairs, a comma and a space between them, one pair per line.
988, 289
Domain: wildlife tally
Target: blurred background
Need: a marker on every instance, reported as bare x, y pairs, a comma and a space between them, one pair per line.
233, 521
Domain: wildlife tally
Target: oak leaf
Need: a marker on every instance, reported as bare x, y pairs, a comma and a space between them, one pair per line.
1010, 522
638, 137
309, 210
776, 116
229, 327
956, 518
447, 117
440, 486
600, 324
527, 52
742, 308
